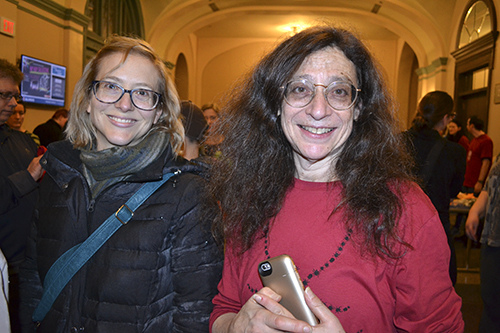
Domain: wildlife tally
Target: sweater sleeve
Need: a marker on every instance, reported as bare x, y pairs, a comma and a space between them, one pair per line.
425, 298
196, 264
228, 298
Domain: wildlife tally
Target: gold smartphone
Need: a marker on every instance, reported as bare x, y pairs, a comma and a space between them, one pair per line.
280, 274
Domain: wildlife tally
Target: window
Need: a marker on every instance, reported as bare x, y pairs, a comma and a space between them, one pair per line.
474, 54
109, 17
477, 23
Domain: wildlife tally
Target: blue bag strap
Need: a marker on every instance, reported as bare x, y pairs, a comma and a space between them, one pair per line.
61, 272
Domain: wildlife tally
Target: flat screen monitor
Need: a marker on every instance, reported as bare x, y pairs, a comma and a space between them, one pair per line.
44, 82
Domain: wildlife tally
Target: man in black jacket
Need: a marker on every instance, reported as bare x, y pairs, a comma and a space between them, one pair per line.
19, 171
52, 129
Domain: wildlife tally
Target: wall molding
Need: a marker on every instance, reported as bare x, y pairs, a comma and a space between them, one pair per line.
59, 11
439, 62
436, 67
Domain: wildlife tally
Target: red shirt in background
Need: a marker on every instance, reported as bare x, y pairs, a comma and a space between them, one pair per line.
479, 149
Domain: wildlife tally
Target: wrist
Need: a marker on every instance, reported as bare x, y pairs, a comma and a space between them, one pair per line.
480, 181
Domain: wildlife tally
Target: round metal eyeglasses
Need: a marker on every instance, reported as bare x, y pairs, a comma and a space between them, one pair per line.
340, 95
110, 93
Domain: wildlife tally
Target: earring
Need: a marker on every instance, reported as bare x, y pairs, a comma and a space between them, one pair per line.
279, 112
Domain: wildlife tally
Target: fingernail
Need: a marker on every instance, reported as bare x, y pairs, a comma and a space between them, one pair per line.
309, 292
307, 329
258, 298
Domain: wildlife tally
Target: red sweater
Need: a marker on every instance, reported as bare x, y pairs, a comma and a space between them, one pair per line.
479, 148
367, 295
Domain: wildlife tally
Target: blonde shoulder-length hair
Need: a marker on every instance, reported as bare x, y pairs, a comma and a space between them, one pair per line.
81, 132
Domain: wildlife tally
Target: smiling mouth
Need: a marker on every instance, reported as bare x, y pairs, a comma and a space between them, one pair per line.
315, 130
121, 120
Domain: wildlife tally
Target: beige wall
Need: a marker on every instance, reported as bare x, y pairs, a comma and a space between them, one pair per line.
220, 74
221, 61
43, 34
494, 111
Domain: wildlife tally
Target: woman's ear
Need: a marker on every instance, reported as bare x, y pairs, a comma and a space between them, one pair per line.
356, 112
158, 115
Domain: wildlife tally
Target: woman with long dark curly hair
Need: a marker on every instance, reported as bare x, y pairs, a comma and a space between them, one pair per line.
314, 167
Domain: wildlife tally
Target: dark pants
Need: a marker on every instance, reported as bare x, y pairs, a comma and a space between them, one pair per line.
15, 322
490, 289
453, 260
445, 220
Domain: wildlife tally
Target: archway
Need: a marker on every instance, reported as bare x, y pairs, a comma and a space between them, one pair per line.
181, 77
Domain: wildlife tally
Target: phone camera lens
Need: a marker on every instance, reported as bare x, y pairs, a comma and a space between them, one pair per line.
265, 269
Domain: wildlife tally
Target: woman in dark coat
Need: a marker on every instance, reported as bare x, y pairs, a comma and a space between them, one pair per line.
456, 134
157, 273
444, 180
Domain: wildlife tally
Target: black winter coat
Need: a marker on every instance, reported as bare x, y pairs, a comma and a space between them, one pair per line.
158, 273
448, 173
18, 193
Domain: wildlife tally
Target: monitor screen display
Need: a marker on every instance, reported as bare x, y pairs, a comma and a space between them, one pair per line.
44, 82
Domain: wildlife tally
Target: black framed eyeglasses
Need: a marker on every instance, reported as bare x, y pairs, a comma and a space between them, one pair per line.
340, 95
110, 93
8, 96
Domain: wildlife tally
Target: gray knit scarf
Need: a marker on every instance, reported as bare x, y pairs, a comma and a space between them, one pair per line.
109, 166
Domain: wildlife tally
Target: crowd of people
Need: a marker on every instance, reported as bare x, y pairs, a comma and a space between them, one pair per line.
153, 214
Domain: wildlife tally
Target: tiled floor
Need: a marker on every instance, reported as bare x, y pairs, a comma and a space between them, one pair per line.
468, 284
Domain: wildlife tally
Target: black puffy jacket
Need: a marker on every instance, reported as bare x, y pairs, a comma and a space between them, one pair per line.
158, 273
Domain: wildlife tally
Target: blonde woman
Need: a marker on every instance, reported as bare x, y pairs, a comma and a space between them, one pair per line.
157, 273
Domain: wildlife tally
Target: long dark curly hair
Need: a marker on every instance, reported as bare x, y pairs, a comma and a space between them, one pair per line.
257, 168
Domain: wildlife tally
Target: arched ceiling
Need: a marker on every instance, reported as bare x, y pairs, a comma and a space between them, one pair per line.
170, 22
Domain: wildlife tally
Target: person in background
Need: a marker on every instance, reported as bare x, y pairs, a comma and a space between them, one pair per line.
439, 163
479, 156
457, 134
211, 112
4, 295
16, 121
314, 165
19, 172
51, 130
210, 146
157, 273
195, 126
487, 206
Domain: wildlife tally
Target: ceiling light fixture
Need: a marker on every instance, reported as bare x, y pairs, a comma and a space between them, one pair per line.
213, 6
293, 28
376, 7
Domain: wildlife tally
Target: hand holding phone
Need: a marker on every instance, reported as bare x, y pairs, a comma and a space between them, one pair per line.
280, 274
